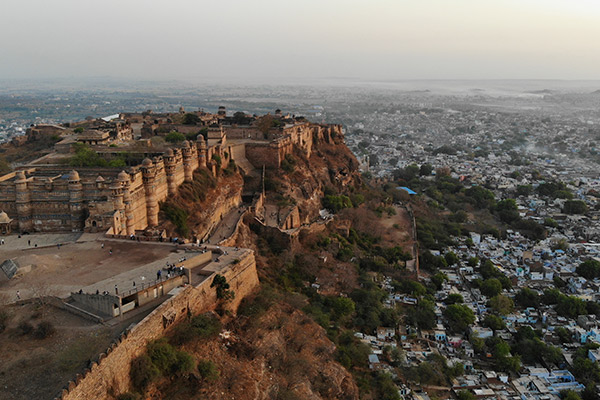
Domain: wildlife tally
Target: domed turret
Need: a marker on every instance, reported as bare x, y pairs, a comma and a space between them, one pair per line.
4, 219
169, 152
73, 176
186, 144
147, 162
123, 176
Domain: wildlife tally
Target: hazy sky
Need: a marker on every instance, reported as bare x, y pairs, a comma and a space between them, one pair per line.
250, 39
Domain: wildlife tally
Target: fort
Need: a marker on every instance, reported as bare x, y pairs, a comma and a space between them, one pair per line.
97, 194
139, 169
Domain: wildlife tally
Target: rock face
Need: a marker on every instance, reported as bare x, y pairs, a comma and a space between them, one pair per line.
206, 201
329, 164
282, 354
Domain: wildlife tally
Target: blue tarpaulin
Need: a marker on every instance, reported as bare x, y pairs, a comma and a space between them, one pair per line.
409, 191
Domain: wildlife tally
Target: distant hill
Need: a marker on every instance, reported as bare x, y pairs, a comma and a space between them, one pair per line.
543, 91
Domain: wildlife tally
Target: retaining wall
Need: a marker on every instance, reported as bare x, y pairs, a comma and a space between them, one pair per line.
109, 376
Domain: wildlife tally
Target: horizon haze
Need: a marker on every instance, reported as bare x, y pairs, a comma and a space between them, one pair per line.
263, 41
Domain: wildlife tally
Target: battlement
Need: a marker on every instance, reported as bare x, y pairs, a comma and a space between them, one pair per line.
48, 196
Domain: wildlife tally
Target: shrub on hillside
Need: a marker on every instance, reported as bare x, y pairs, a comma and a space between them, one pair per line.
44, 329
25, 328
4, 317
202, 326
143, 372
208, 370
178, 216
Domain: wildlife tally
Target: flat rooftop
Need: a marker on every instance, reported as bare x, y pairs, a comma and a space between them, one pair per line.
90, 263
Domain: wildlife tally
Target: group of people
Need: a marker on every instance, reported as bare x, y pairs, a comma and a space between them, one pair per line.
171, 270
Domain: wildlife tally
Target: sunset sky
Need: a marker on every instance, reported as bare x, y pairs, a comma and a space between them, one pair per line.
268, 39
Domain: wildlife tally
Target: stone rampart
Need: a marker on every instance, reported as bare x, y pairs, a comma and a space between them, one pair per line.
109, 375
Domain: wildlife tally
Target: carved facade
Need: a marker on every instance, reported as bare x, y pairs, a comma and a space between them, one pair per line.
98, 199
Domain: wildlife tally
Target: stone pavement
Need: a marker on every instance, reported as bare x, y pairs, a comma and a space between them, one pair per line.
14, 242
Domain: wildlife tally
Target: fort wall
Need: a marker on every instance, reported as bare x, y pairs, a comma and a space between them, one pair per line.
45, 199
109, 376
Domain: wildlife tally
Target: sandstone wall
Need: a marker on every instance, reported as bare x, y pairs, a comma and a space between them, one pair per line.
268, 154
244, 132
110, 375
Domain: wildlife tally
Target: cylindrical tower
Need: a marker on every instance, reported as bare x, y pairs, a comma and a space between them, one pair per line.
75, 201
188, 161
170, 168
23, 202
150, 189
128, 206
118, 204
201, 145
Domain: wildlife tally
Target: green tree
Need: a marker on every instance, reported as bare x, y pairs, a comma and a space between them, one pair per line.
501, 304
208, 370
265, 123
190, 119
336, 203
494, 322
342, 307
425, 170
220, 283
569, 395
589, 269
143, 372
465, 395
407, 173
524, 190
451, 258
438, 280
491, 287
385, 387
459, 317
575, 207
423, 315
473, 261
564, 335
481, 197
239, 117
175, 137
454, 298
527, 298
508, 211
